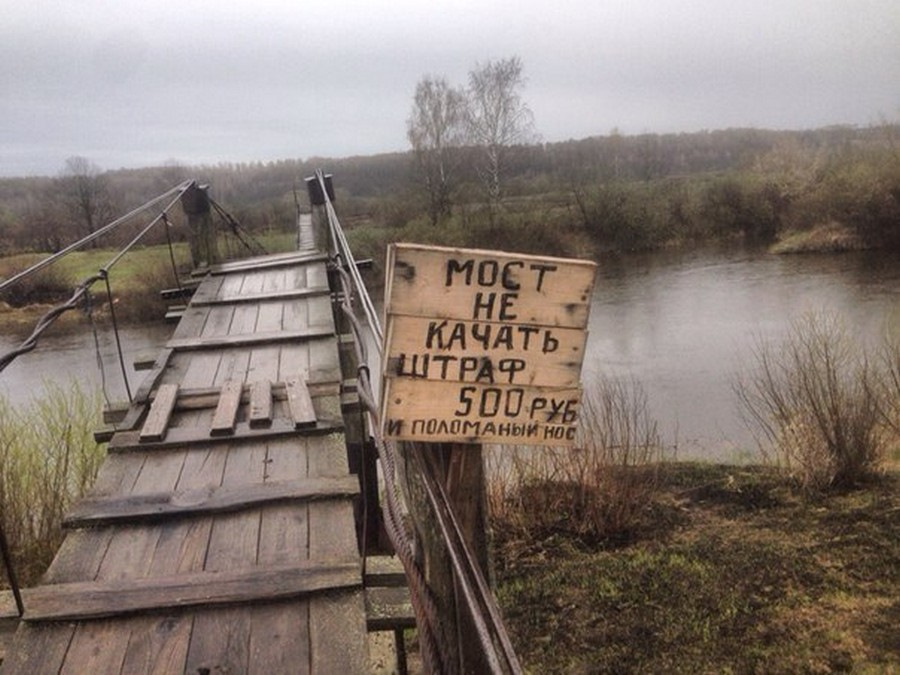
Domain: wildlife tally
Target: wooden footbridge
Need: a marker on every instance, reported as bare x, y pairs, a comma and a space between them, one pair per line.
226, 532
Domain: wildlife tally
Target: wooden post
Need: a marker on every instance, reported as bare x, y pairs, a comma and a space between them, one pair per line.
460, 469
204, 248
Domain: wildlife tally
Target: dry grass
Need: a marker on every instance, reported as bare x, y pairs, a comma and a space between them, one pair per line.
597, 490
816, 402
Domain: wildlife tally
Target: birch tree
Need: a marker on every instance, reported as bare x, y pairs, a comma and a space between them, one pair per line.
497, 118
436, 129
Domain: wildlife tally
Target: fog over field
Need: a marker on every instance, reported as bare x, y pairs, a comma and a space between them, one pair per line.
131, 83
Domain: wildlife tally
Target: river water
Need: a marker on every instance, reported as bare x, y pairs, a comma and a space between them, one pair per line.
679, 322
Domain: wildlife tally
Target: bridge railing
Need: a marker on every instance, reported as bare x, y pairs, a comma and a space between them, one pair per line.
444, 642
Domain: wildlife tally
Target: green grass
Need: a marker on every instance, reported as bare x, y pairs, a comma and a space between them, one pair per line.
48, 458
732, 572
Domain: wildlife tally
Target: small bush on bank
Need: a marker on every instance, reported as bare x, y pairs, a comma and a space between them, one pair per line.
599, 490
815, 401
49, 458
49, 285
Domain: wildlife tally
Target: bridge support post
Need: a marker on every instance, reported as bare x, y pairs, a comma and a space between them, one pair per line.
459, 468
195, 202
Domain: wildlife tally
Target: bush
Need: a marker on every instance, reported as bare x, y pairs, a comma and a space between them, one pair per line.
49, 458
48, 286
815, 400
602, 488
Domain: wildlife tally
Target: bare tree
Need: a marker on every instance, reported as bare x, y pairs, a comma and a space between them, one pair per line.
84, 194
435, 128
497, 117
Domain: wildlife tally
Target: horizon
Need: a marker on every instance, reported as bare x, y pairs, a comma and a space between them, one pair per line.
130, 85
225, 162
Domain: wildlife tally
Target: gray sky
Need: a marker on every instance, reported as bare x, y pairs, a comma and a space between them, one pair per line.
132, 83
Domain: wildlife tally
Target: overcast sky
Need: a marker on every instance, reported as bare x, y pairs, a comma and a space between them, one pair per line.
131, 83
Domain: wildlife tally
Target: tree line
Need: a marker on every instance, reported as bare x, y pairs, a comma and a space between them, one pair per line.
621, 191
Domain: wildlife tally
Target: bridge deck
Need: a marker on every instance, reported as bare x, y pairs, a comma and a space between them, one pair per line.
219, 536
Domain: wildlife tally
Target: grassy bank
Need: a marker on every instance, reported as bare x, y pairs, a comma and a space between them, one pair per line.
728, 570
135, 281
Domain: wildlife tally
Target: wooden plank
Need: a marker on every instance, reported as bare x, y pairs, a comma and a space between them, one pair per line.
180, 436
39, 648
151, 379
251, 339
279, 634
300, 404
478, 412
93, 599
218, 322
226, 411
382, 570
540, 290
96, 647
288, 294
269, 262
260, 404
220, 640
144, 359
389, 609
158, 646
464, 351
206, 290
205, 500
157, 421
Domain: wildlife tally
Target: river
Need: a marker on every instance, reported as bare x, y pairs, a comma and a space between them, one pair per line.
679, 322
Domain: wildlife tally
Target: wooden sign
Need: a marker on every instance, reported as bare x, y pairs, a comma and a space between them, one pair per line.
483, 346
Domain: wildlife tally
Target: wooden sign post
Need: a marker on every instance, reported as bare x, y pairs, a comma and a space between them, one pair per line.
480, 347
483, 346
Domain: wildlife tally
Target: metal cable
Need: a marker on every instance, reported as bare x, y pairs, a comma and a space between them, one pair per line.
115, 325
91, 237
435, 652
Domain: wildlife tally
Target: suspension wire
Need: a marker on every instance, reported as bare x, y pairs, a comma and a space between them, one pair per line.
80, 292
479, 601
172, 255
89, 310
112, 315
249, 242
91, 237
435, 653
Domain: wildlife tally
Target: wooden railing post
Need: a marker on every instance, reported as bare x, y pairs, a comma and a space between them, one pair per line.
460, 470
204, 248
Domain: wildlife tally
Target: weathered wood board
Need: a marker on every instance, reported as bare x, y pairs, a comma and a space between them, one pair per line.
483, 346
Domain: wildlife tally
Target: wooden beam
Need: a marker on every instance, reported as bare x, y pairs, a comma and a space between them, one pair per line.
226, 409
270, 262
249, 340
260, 404
389, 609
96, 599
300, 404
292, 294
157, 421
91, 511
125, 441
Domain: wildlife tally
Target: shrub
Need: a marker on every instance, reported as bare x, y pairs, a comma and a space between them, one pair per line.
814, 401
49, 458
600, 489
50, 285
